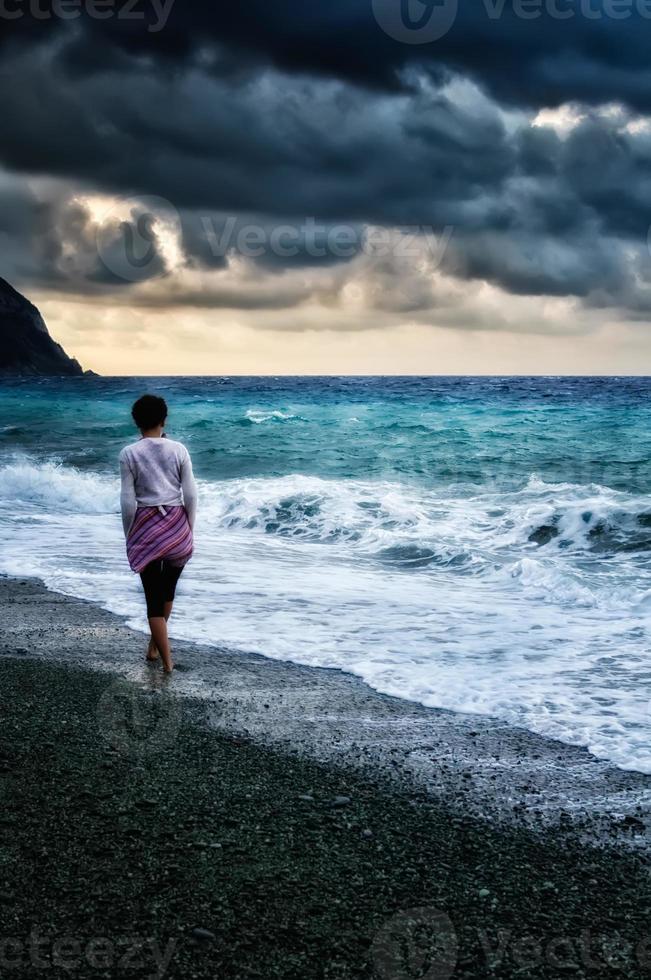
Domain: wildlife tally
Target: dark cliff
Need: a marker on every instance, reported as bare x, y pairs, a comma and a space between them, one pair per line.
26, 347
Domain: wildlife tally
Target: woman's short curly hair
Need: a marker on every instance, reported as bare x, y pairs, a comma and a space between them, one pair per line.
149, 411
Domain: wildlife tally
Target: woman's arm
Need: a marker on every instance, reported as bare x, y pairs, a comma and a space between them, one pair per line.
189, 487
128, 503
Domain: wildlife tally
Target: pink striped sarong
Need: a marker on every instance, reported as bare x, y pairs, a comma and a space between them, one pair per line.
157, 533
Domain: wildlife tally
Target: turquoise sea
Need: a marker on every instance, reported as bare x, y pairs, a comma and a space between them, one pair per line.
478, 544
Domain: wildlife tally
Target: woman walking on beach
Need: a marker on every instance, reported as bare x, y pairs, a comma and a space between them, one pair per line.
159, 504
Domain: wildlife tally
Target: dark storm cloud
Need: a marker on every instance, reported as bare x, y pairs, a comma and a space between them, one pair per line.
208, 240
529, 210
525, 52
527, 264
270, 115
273, 147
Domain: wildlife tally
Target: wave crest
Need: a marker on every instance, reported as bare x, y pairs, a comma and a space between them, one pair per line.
53, 487
400, 524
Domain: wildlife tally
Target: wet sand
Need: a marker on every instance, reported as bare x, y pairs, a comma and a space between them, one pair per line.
293, 823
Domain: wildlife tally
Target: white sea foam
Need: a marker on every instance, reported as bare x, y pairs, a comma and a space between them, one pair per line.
50, 487
258, 417
531, 605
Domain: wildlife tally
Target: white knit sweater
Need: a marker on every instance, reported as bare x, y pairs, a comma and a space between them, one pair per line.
156, 473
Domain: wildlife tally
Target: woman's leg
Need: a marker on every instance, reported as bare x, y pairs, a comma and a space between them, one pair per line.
152, 651
155, 585
158, 627
170, 575
151, 583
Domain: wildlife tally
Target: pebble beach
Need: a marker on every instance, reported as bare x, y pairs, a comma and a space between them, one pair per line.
145, 832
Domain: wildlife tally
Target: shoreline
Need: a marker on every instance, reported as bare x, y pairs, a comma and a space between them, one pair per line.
491, 770
137, 840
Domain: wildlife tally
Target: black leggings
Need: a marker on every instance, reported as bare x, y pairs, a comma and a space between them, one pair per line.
159, 580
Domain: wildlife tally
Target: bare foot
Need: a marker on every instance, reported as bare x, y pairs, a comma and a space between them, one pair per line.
168, 663
152, 652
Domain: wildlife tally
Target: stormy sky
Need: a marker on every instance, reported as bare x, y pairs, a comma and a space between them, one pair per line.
339, 186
